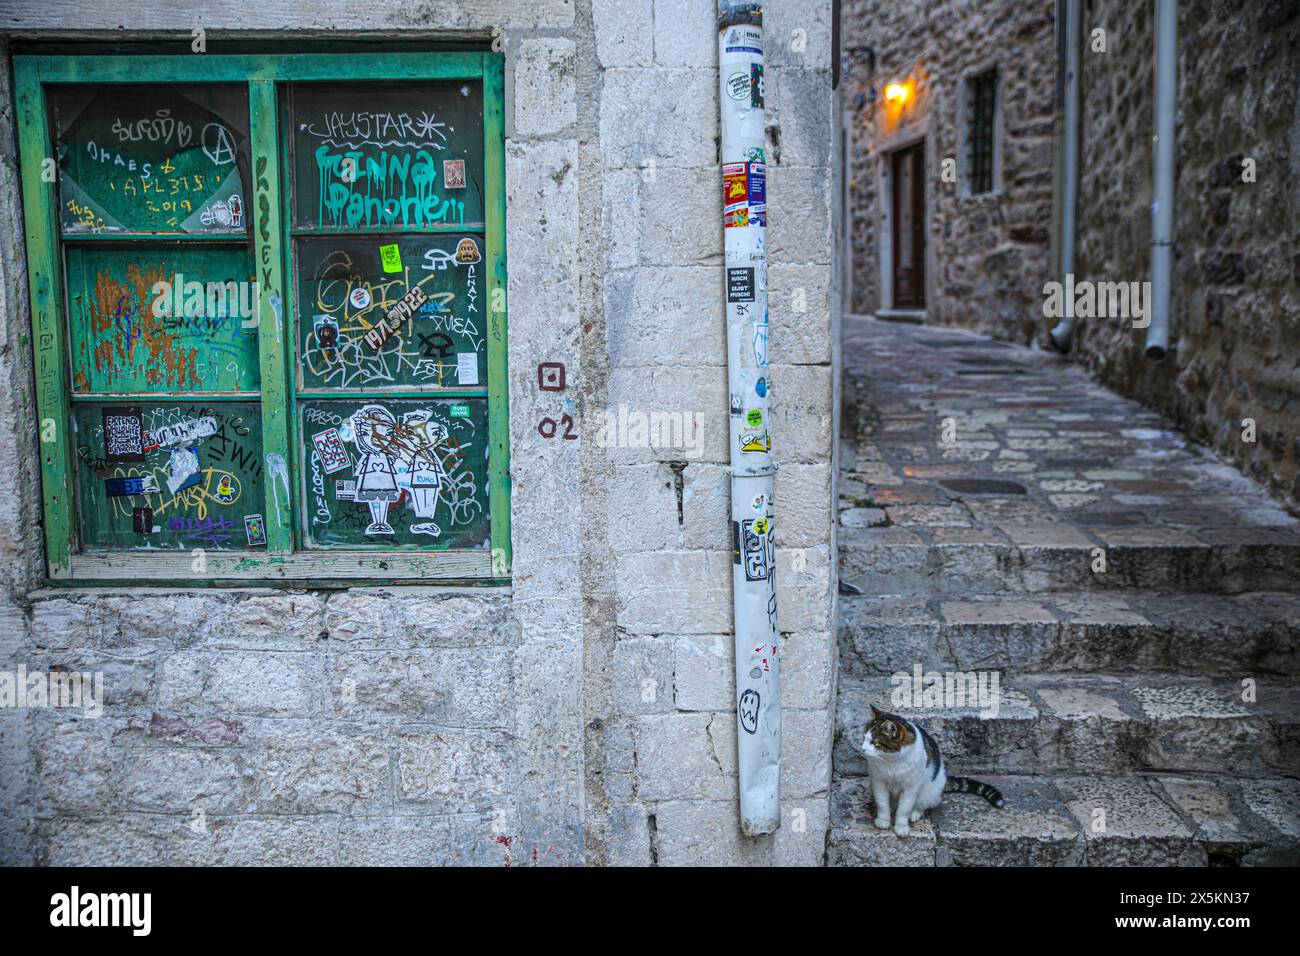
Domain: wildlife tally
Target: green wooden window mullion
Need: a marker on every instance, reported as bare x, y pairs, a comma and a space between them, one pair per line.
273, 333
187, 397
45, 283
494, 176
289, 261
468, 228
242, 68
344, 394
76, 238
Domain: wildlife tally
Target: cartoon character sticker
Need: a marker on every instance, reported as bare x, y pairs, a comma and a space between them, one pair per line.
467, 251
427, 475
399, 458
227, 489
375, 473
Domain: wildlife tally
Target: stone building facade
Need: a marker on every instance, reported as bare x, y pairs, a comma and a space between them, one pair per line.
1235, 313
584, 713
986, 250
1230, 377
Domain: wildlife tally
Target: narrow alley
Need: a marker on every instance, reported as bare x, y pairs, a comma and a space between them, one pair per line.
1134, 596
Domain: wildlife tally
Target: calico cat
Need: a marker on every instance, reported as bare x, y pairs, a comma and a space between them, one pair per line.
905, 763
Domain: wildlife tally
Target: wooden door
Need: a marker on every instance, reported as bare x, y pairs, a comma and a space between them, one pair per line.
908, 175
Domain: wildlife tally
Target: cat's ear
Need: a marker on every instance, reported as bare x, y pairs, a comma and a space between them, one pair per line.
875, 713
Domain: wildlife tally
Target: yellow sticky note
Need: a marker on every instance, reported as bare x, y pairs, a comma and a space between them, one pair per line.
391, 257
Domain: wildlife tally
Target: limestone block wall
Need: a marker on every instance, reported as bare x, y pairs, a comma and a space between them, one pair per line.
663, 733
1235, 316
582, 715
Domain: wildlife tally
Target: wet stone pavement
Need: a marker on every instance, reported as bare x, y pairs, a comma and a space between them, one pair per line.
1137, 597
962, 436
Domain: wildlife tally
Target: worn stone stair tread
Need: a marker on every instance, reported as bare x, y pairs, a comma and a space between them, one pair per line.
1082, 820
1054, 723
1046, 556
1123, 582
1120, 631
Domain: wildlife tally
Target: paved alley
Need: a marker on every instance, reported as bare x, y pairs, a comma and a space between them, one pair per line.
1133, 594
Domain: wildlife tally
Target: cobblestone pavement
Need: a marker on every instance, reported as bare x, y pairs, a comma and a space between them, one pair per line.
1138, 598
962, 435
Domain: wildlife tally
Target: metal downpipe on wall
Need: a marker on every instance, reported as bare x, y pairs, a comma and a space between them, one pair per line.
1064, 329
749, 379
1162, 201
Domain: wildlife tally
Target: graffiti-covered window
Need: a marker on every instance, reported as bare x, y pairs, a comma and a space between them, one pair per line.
268, 300
387, 207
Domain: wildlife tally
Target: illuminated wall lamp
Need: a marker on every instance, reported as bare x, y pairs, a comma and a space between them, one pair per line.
896, 93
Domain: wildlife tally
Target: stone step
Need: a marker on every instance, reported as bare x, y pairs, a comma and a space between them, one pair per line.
1059, 557
1070, 723
1119, 632
1082, 820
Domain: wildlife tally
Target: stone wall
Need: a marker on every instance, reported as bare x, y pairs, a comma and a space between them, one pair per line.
988, 254
1235, 317
663, 740
582, 715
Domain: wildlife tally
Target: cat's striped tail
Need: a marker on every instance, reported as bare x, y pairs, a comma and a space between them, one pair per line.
966, 785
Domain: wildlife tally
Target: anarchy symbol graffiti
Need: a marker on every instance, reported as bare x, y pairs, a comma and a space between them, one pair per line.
217, 145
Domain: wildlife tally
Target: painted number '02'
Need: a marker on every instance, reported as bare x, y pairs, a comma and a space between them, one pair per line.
548, 427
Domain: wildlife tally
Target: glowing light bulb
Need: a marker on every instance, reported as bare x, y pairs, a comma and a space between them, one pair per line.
896, 92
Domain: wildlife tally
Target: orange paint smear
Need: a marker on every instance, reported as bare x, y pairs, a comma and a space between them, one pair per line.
125, 314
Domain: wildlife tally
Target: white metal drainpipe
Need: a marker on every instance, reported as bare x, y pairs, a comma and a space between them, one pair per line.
749, 377
1162, 204
1070, 185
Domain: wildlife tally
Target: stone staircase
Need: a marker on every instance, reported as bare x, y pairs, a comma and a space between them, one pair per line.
1137, 599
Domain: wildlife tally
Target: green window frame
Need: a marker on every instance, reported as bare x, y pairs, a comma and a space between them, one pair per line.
286, 557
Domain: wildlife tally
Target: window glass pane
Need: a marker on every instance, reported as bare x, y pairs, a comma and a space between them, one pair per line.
983, 101
393, 474
174, 475
387, 155
391, 311
151, 319
168, 159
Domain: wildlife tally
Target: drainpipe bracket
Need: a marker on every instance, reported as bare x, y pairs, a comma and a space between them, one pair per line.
751, 473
